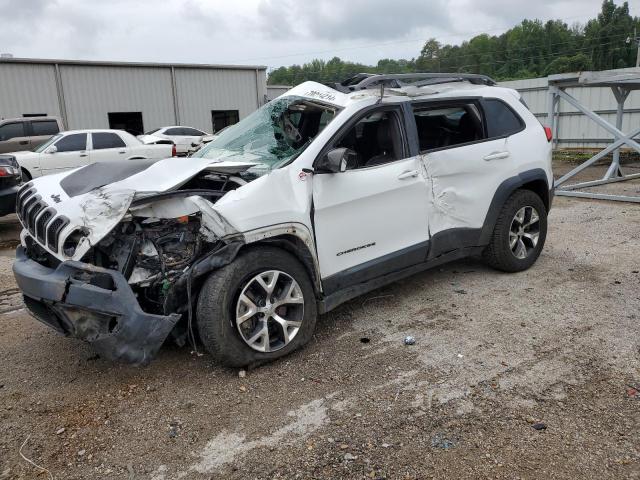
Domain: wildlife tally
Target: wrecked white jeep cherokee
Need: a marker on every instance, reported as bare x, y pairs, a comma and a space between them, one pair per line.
319, 196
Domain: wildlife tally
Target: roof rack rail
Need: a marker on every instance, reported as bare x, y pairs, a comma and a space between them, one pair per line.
362, 81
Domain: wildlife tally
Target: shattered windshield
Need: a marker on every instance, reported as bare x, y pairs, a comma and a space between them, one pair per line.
273, 135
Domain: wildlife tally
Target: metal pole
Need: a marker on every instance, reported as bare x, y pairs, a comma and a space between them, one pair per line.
621, 96
61, 101
551, 115
174, 93
635, 35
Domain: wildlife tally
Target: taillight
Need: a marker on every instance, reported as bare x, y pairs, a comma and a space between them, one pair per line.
548, 133
174, 150
6, 171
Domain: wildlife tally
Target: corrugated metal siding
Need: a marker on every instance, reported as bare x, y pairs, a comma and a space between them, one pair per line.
91, 92
201, 91
274, 91
27, 89
575, 130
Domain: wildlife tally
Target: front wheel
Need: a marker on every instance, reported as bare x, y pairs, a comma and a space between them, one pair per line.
258, 308
519, 233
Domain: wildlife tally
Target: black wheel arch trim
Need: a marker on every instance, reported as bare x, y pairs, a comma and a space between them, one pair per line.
504, 191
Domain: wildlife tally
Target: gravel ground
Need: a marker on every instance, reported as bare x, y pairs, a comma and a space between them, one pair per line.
529, 375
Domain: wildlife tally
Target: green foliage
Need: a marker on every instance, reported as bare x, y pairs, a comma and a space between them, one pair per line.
531, 49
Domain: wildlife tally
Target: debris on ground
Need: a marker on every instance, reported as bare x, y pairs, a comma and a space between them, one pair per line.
409, 340
539, 426
242, 373
440, 441
348, 457
365, 340
174, 428
461, 291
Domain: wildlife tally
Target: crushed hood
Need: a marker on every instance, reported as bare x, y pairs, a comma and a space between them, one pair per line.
96, 198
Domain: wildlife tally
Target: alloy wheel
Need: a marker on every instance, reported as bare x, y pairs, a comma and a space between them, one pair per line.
524, 232
269, 311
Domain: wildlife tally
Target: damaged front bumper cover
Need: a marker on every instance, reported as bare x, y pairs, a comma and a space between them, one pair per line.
93, 304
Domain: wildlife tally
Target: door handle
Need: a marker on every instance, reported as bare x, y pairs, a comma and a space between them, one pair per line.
122, 152
23, 142
496, 156
408, 174
83, 155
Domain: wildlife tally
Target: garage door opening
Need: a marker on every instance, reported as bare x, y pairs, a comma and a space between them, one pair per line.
128, 121
223, 118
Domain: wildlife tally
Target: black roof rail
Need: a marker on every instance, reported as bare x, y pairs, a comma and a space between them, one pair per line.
362, 81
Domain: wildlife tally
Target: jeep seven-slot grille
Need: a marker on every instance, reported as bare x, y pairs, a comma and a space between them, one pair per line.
54, 231
39, 218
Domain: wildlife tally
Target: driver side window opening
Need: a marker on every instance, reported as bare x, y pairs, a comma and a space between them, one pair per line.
445, 126
376, 139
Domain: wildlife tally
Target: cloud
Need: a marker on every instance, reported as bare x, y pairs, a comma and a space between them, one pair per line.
271, 32
354, 19
25, 9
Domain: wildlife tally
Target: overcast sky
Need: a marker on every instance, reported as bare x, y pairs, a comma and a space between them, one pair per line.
260, 32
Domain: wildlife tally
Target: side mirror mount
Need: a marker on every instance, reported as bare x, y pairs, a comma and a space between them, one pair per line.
335, 160
52, 149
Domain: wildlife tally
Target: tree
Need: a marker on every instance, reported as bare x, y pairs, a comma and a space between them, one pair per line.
530, 49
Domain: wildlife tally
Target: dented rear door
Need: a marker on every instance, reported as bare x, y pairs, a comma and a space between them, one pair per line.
463, 180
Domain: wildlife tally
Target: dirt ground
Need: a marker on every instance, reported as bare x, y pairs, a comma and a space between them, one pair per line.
522, 376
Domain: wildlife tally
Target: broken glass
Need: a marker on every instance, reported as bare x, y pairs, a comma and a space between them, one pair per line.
273, 135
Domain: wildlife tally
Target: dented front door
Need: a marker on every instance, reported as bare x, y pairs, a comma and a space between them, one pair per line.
463, 181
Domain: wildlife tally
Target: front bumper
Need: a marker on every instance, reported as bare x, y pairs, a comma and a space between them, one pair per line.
93, 304
8, 200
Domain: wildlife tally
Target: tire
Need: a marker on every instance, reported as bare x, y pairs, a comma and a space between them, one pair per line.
502, 253
219, 304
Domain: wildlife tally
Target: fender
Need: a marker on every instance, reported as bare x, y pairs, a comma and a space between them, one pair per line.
305, 250
503, 192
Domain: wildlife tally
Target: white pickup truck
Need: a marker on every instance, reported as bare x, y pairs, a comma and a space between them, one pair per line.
77, 148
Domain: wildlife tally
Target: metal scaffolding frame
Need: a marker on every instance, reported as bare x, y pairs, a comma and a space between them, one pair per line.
621, 84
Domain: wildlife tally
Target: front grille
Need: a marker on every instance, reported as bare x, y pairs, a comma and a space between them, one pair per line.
54, 229
39, 218
41, 224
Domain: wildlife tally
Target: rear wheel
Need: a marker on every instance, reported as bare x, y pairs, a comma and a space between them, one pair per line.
258, 308
519, 233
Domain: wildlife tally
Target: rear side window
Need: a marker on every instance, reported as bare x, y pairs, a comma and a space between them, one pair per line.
174, 131
72, 143
447, 125
11, 130
104, 140
192, 132
44, 127
501, 120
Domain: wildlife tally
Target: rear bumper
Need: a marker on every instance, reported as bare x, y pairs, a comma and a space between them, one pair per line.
93, 304
8, 200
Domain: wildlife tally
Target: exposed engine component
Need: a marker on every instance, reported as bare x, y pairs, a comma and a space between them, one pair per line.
152, 253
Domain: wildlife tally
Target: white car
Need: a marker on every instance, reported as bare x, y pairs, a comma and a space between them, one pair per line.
319, 196
182, 137
77, 148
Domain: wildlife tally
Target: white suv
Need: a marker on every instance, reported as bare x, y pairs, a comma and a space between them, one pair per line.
321, 195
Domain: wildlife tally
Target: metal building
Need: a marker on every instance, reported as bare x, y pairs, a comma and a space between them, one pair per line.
133, 96
572, 128
274, 91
